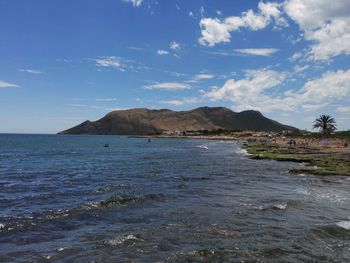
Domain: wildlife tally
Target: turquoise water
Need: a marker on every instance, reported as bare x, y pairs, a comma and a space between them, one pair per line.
70, 199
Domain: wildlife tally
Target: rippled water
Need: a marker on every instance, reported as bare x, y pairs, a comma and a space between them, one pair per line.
68, 198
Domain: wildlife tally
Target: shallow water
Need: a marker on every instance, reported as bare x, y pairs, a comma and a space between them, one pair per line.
68, 198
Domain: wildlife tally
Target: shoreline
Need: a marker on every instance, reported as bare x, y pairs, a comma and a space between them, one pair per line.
203, 137
322, 159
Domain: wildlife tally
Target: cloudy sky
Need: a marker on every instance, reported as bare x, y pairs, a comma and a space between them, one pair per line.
63, 61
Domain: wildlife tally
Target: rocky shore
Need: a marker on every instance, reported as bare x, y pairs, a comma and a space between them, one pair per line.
322, 156
318, 161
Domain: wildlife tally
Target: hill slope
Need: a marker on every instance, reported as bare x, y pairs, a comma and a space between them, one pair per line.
145, 121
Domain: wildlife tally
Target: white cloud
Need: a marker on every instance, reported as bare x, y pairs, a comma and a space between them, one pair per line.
203, 76
313, 107
180, 101
172, 102
255, 91
257, 51
331, 40
4, 84
78, 105
312, 14
219, 12
174, 73
332, 86
167, 86
135, 3
216, 31
220, 53
326, 24
298, 69
31, 71
116, 109
343, 109
199, 77
174, 45
296, 56
136, 48
112, 62
162, 52
202, 11
106, 99
248, 93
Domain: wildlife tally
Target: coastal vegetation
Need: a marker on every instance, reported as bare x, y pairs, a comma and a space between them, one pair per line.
317, 161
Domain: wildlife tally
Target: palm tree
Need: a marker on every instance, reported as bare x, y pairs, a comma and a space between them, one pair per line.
325, 123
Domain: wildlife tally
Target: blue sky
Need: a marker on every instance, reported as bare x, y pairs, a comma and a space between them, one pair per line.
63, 62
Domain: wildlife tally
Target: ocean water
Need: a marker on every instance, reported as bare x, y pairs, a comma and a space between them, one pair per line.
70, 199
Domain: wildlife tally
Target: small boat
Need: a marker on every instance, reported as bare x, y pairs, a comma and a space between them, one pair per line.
106, 145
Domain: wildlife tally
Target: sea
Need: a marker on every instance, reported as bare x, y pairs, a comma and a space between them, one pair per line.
73, 199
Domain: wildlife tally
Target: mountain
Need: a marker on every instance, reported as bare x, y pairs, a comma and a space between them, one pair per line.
145, 121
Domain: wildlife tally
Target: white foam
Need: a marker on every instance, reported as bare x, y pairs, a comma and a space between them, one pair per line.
261, 208
327, 195
91, 205
241, 151
121, 240
344, 224
333, 197
203, 147
2, 226
280, 206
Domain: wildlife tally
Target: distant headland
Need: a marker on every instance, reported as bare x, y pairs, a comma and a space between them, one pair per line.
142, 121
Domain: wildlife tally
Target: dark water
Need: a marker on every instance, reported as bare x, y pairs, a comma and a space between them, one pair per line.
68, 198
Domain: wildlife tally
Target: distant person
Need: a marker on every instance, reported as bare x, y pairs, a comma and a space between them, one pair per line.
149, 139
292, 142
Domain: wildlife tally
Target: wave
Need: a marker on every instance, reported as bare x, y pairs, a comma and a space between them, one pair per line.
128, 240
36, 154
32, 220
13, 155
203, 147
124, 200
344, 224
204, 255
241, 151
330, 230
281, 206
324, 195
